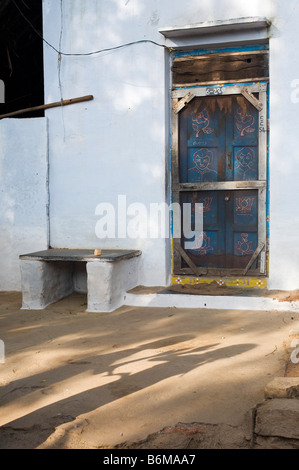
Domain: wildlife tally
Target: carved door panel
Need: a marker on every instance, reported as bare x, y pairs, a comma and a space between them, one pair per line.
219, 151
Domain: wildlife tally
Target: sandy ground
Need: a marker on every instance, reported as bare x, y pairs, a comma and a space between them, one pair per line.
137, 377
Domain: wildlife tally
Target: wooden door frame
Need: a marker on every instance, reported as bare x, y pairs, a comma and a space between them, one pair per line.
179, 99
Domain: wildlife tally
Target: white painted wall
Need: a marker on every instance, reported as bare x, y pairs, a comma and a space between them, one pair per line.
284, 156
117, 144
23, 194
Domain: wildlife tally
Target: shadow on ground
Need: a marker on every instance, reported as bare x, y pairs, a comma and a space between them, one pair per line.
73, 379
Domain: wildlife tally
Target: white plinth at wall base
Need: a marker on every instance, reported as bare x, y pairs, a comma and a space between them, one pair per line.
48, 276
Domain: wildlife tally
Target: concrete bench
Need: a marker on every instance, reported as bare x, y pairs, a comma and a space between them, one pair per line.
50, 275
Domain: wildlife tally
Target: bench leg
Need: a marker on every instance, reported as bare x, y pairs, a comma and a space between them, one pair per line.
44, 282
107, 283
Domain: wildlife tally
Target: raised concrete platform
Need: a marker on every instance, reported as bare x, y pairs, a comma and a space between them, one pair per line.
50, 275
235, 299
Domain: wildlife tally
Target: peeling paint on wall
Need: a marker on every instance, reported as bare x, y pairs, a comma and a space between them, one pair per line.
154, 19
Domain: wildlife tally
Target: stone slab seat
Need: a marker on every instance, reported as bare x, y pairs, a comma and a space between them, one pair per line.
48, 276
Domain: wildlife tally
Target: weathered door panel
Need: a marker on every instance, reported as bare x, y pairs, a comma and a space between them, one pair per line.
209, 247
241, 227
202, 142
230, 228
242, 140
220, 154
219, 140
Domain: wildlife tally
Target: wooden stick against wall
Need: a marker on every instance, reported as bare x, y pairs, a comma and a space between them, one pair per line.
47, 106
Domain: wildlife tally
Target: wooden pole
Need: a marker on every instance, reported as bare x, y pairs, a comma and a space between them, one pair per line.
47, 106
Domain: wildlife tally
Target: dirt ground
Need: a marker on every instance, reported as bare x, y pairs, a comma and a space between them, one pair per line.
135, 378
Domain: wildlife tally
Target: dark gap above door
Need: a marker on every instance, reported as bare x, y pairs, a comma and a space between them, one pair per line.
192, 70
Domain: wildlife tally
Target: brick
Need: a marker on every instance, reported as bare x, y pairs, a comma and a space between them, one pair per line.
283, 387
278, 418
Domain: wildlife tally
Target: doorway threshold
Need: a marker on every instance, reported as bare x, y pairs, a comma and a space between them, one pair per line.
212, 297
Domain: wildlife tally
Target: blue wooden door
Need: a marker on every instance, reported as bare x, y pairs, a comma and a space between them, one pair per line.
218, 141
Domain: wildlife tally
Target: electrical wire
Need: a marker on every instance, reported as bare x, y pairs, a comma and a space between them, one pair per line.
108, 49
